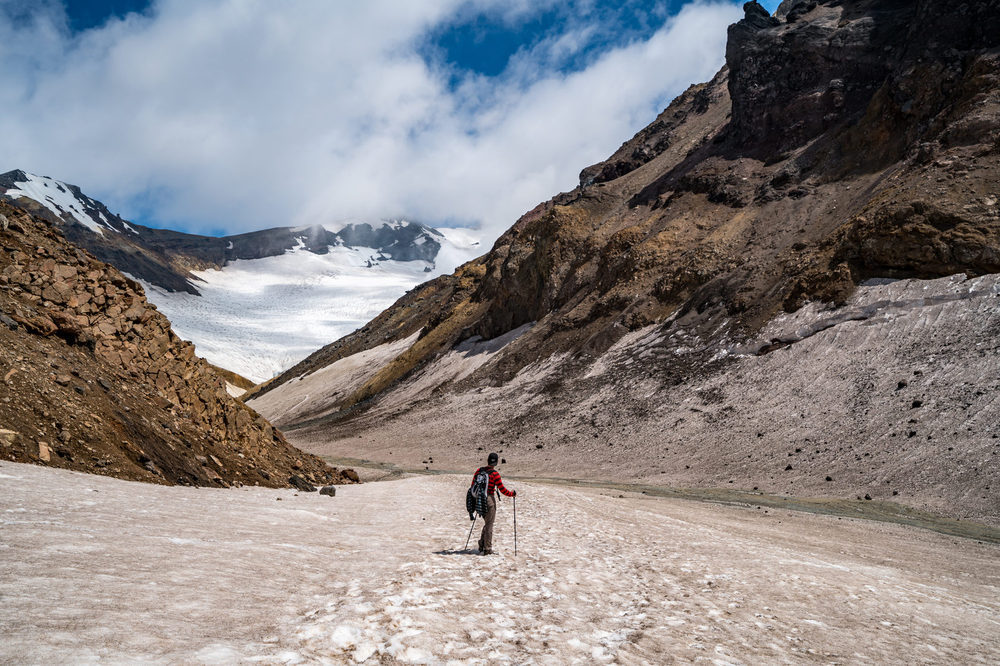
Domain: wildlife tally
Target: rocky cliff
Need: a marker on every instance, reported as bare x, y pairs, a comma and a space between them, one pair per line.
846, 145
95, 380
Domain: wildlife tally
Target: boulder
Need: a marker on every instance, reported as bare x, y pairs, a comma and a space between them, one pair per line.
328, 490
301, 484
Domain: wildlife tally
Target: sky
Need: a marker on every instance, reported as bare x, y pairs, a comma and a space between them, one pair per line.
224, 116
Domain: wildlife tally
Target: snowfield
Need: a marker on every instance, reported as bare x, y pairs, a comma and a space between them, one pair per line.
96, 569
56, 196
260, 317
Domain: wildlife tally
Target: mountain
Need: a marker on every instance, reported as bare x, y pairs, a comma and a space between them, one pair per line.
787, 283
167, 258
95, 380
259, 302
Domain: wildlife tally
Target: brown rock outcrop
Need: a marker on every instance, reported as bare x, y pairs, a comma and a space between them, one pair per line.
89, 364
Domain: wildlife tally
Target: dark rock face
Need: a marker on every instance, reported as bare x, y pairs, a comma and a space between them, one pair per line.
828, 62
658, 136
790, 81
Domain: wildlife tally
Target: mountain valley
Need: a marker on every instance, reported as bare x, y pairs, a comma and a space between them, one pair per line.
784, 284
744, 379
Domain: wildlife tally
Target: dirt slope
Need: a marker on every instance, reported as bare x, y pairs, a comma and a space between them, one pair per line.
94, 379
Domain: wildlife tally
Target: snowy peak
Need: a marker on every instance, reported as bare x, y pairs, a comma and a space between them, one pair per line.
167, 258
396, 240
65, 201
260, 301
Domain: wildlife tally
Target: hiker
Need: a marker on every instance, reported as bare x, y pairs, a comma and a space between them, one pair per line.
486, 540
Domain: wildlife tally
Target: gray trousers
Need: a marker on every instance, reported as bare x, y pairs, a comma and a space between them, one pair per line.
486, 540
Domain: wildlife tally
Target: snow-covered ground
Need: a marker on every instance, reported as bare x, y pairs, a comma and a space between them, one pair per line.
259, 317
95, 569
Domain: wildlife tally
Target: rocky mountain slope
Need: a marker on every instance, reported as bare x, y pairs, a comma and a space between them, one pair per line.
166, 258
753, 291
95, 380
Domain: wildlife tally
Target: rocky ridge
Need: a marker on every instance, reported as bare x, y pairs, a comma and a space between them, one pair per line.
95, 380
844, 142
166, 258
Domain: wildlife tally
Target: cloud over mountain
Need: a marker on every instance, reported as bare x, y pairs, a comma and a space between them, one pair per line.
232, 115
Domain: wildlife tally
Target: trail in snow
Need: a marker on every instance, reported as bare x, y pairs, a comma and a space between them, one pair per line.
99, 569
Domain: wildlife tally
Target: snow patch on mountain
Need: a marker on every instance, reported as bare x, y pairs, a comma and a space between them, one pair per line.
316, 394
259, 317
60, 199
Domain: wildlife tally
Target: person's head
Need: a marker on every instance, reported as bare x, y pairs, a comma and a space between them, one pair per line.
492, 459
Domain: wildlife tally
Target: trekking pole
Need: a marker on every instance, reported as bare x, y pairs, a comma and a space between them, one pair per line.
515, 525
470, 533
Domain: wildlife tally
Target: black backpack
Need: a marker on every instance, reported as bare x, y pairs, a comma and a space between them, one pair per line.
475, 497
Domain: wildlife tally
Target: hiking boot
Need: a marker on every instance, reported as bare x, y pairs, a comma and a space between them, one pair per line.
487, 551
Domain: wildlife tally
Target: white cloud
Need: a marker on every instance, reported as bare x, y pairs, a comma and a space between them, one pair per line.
241, 114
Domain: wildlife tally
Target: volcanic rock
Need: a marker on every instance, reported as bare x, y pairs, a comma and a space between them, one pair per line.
298, 482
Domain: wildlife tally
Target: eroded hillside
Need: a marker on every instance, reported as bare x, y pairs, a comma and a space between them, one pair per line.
95, 380
624, 329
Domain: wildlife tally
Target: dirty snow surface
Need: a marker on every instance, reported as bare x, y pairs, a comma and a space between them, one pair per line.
96, 569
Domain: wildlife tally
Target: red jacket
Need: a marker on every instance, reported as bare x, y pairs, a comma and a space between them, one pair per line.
495, 481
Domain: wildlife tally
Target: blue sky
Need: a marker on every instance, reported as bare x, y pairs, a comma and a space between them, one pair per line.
84, 14
229, 115
473, 42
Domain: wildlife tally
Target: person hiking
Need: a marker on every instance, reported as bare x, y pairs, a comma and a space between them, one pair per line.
486, 540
